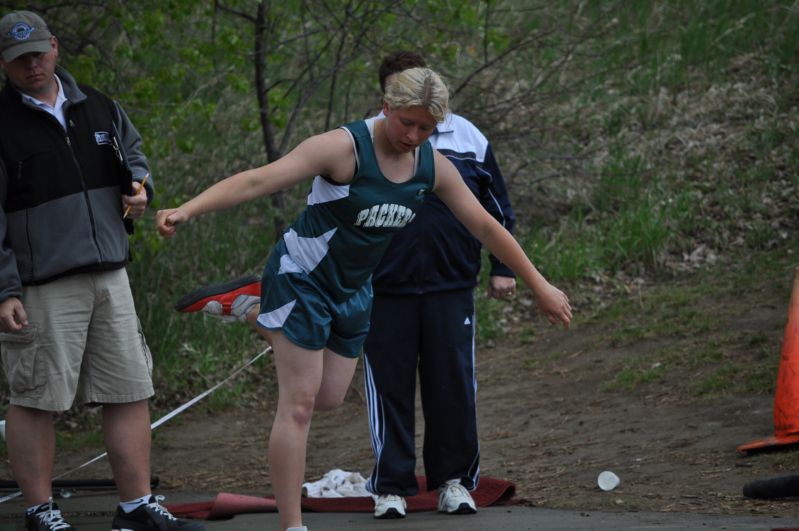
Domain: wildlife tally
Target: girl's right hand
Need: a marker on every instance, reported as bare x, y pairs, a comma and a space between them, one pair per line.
166, 221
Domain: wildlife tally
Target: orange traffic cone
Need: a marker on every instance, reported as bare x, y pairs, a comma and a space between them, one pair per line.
786, 395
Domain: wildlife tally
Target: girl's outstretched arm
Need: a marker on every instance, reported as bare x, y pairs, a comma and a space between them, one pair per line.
552, 302
326, 154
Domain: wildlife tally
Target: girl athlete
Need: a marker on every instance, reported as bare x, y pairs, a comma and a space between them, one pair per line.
316, 290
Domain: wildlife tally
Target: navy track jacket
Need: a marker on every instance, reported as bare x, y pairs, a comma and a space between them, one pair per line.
436, 252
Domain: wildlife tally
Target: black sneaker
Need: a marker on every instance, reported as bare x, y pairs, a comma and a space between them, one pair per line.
151, 517
47, 518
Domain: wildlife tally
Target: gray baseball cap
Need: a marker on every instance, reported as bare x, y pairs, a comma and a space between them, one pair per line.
23, 32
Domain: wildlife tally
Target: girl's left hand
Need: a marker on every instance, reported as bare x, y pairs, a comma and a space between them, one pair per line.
554, 304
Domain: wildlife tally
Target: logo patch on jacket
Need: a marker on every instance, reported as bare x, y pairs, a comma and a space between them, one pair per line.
103, 138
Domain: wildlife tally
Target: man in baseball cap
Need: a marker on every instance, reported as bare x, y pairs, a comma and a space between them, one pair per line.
63, 179
23, 32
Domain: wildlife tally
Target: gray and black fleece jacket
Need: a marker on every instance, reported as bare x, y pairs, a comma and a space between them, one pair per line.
60, 190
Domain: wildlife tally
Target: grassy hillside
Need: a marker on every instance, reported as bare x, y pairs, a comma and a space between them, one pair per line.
682, 212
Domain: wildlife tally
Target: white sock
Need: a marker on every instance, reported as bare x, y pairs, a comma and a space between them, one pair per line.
242, 305
303, 528
132, 505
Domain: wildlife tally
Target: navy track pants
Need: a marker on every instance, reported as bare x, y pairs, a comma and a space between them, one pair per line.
433, 332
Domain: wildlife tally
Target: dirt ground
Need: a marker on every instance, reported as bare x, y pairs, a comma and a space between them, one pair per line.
549, 428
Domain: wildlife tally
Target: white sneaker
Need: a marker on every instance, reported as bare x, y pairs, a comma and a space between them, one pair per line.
389, 506
453, 498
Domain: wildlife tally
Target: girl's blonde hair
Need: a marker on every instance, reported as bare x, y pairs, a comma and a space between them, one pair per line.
418, 87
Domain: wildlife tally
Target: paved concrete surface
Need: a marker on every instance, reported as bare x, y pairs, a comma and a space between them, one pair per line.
91, 511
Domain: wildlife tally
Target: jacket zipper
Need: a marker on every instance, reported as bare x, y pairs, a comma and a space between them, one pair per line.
86, 196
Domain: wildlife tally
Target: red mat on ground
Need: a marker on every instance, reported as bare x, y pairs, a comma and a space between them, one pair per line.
490, 492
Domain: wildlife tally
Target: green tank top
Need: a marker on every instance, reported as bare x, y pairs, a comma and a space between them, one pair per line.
340, 237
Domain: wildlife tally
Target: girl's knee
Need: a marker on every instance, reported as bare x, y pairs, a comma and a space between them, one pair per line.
298, 412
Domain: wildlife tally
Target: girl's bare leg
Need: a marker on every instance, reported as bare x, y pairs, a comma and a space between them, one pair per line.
307, 380
336, 379
299, 376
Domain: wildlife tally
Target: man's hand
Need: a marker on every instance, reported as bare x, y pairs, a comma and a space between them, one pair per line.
501, 287
134, 205
12, 315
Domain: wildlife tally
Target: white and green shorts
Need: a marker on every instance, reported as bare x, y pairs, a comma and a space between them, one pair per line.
304, 312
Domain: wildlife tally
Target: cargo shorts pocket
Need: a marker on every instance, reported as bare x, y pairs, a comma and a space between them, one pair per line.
20, 352
148, 357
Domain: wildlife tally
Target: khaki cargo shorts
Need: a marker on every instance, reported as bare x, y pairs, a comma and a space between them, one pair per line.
81, 328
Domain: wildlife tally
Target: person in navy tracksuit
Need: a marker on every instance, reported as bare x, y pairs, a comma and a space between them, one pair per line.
423, 316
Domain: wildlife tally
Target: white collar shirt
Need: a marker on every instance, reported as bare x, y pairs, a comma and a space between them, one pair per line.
57, 110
